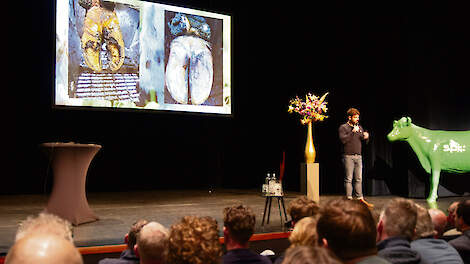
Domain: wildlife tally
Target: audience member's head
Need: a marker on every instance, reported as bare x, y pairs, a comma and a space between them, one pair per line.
152, 243
43, 248
424, 226
439, 221
45, 223
397, 219
462, 215
451, 214
302, 207
347, 227
239, 224
131, 237
305, 232
309, 255
194, 240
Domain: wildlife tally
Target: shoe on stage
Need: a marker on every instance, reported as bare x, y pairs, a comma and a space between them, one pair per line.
370, 205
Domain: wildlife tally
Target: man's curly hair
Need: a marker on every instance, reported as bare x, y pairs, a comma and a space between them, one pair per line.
352, 112
194, 240
302, 207
240, 221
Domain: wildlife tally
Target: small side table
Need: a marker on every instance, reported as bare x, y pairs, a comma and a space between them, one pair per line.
267, 206
70, 162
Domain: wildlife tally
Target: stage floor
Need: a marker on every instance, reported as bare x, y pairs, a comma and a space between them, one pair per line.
117, 211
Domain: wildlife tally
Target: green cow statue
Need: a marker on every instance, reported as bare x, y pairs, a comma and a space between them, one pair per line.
436, 150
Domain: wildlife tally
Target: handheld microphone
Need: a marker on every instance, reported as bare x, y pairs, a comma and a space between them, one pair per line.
358, 128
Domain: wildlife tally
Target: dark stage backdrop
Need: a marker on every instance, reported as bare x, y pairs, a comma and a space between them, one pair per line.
388, 60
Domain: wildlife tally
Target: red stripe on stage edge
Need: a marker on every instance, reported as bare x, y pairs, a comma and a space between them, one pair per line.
270, 236
122, 247
102, 249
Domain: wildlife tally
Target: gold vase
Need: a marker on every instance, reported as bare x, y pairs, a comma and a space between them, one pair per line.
309, 147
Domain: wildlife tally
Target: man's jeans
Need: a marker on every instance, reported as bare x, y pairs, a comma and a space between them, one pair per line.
353, 171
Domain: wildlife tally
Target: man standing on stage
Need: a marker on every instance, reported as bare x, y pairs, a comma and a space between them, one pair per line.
351, 134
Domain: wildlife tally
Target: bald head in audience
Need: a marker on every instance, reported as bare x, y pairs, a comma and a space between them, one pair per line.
451, 215
43, 249
439, 221
152, 243
45, 223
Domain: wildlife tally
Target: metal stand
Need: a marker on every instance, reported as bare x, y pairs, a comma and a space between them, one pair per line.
267, 205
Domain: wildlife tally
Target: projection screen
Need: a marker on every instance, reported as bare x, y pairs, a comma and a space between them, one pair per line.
142, 55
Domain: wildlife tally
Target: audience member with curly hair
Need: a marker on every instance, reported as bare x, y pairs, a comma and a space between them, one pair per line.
301, 207
194, 240
239, 226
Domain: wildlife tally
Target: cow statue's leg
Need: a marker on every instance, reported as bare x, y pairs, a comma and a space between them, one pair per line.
434, 182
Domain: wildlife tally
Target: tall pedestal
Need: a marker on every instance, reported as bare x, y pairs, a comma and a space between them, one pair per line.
310, 180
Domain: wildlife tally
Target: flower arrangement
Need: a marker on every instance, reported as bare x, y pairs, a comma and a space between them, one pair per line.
312, 109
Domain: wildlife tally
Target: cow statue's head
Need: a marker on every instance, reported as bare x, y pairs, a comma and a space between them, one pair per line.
401, 129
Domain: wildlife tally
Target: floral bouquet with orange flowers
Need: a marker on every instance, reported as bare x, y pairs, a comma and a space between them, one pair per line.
312, 109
